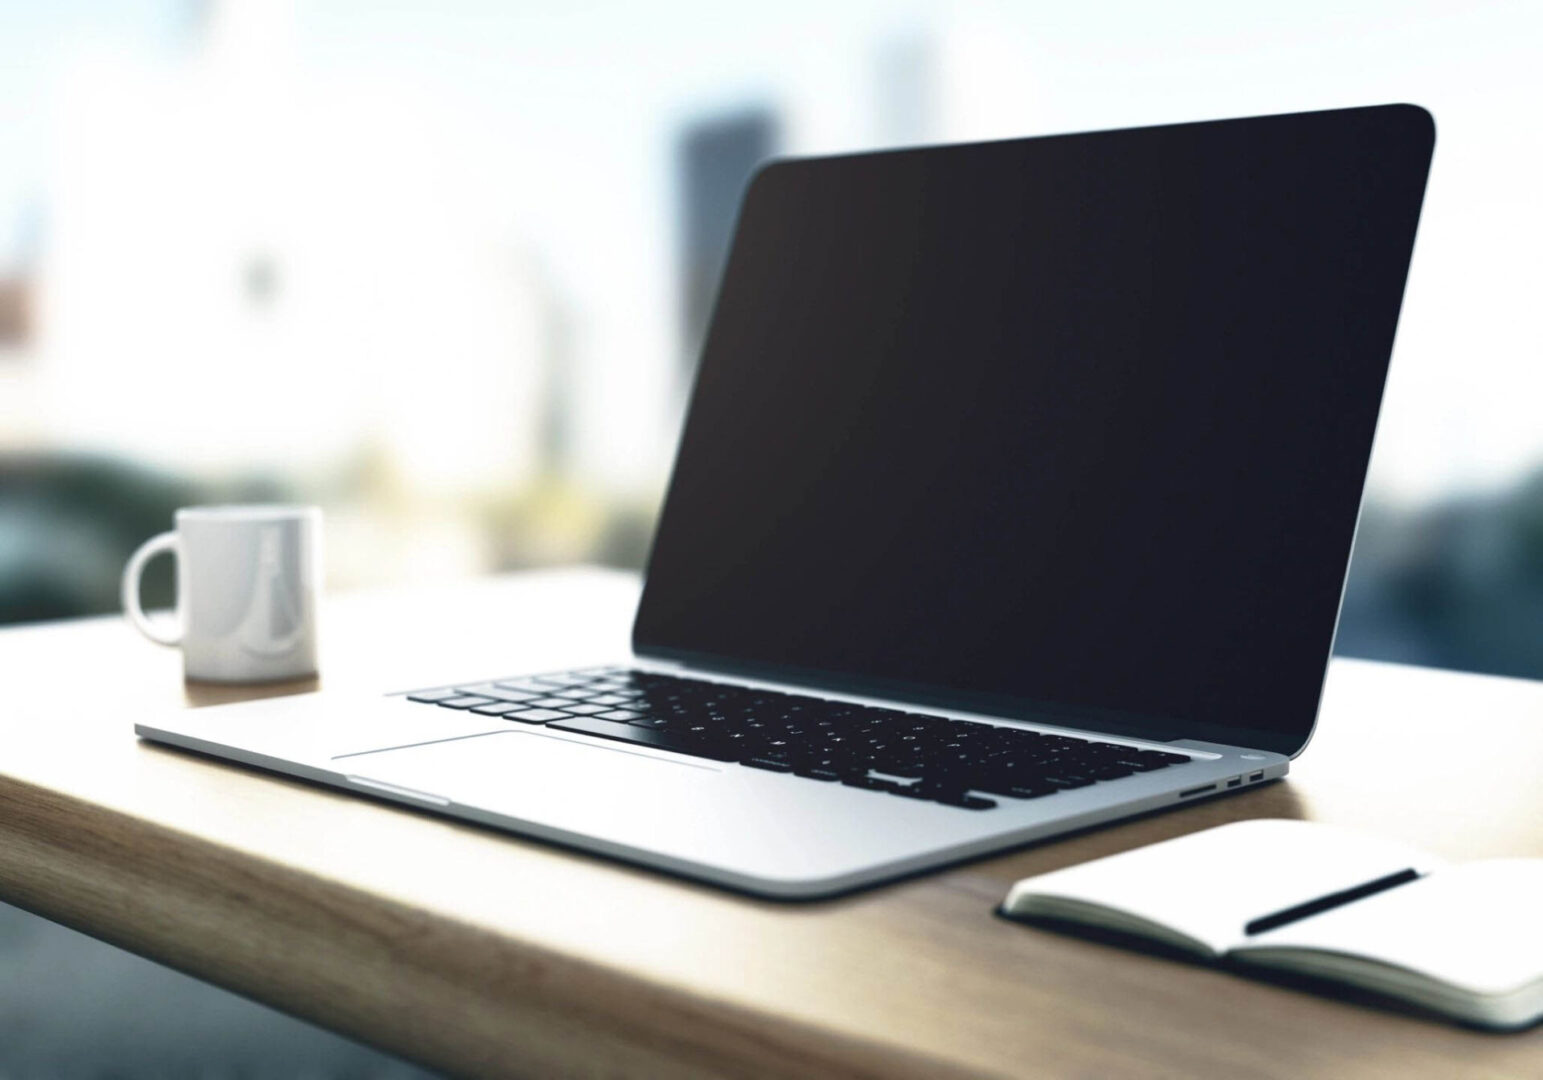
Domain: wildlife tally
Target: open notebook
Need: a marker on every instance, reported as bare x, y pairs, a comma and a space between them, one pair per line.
1464, 940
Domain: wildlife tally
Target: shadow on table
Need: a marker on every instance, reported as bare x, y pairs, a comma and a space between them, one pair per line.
73, 1007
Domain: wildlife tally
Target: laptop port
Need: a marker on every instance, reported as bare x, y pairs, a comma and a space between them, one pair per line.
1197, 791
1235, 781
1256, 776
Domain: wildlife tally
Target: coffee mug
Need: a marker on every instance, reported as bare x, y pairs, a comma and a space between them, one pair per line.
248, 578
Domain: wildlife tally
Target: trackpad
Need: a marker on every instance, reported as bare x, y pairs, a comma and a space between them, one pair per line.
514, 769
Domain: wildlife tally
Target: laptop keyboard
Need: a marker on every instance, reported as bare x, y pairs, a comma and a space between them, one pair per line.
912, 755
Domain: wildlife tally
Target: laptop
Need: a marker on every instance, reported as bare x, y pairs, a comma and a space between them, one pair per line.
1015, 495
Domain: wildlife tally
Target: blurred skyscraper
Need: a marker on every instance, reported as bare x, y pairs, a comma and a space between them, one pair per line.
908, 96
716, 156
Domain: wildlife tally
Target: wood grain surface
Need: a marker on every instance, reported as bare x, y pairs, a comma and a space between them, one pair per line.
482, 954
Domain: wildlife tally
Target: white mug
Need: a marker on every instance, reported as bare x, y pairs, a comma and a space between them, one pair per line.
248, 578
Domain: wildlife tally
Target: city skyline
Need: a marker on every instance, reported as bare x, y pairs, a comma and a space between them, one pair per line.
549, 140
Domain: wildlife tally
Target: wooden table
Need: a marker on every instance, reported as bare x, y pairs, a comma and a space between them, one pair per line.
475, 952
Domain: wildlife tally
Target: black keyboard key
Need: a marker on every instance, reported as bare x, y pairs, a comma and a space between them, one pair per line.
841, 764
1110, 772
618, 714
433, 696
646, 721
1076, 779
982, 781
1130, 762
466, 701
536, 716
497, 708
1031, 791
819, 772
498, 693
510, 695
1068, 781
659, 740
868, 783
967, 802
768, 763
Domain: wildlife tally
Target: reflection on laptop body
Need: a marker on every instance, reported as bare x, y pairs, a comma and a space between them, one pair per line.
1015, 495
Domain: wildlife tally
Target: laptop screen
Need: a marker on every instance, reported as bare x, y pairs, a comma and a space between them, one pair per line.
1069, 426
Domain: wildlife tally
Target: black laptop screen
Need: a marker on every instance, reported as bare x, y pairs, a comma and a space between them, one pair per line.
1072, 425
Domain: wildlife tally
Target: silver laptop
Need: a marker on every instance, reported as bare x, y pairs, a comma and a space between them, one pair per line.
1015, 496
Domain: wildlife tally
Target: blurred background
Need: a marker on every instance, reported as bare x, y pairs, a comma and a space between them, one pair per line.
443, 268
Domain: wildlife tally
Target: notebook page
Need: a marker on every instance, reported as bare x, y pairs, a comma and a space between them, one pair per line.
1209, 884
1476, 927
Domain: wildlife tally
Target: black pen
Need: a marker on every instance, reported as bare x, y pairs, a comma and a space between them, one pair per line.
1332, 900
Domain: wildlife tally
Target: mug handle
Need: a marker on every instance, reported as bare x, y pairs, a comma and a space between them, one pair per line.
167, 541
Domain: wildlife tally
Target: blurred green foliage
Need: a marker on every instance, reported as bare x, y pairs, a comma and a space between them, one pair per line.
69, 523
